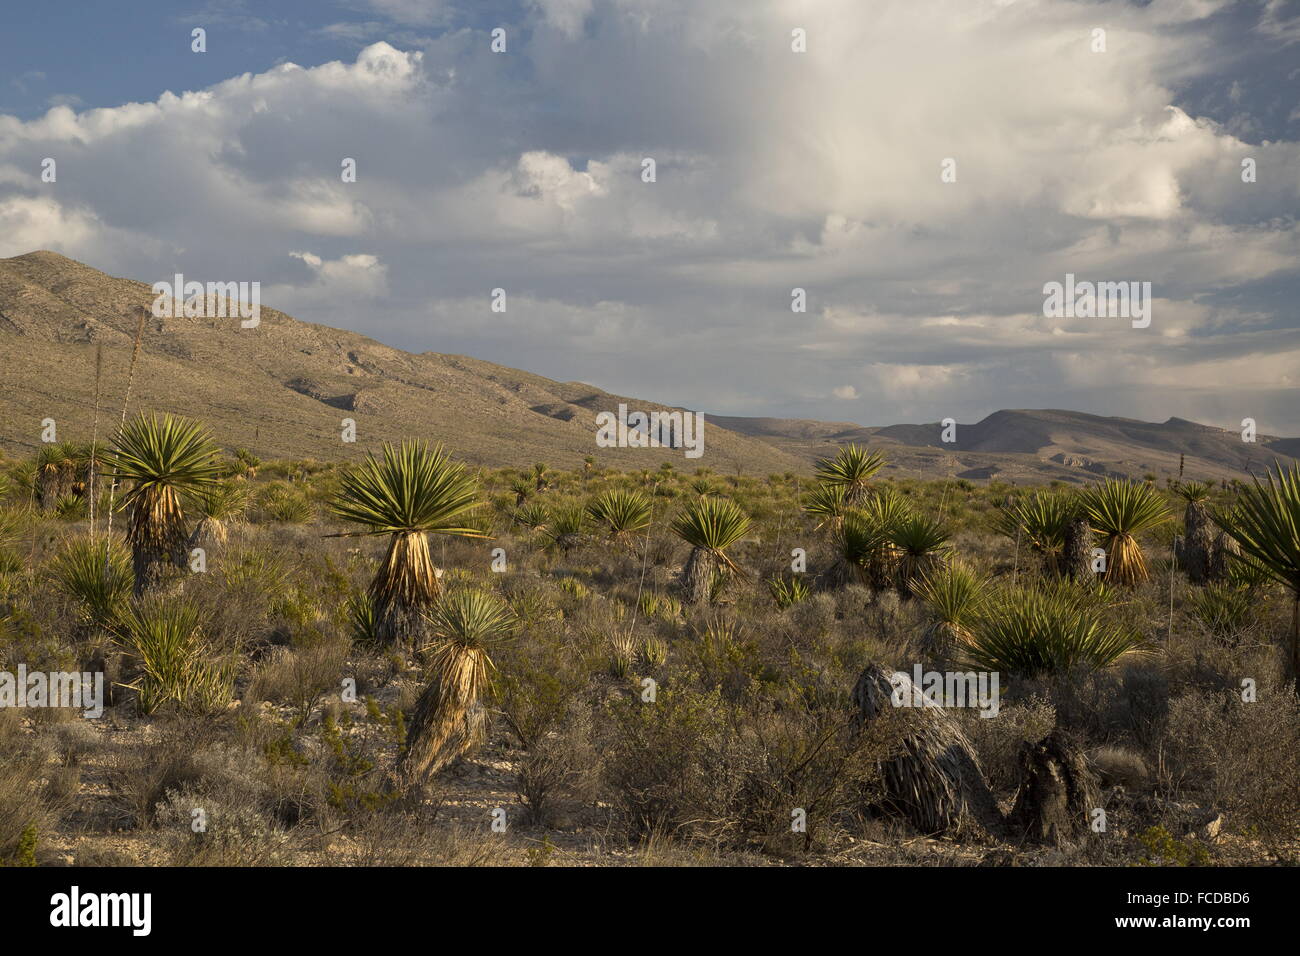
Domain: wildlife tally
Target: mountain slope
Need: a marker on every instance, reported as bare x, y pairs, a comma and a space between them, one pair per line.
284, 388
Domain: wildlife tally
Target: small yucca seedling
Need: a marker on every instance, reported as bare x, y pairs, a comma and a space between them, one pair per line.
574, 588
363, 626
709, 526
654, 651
97, 574
1224, 610
620, 514
287, 506
165, 636
448, 719
1121, 510
1031, 632
850, 469
622, 655
71, 508
788, 592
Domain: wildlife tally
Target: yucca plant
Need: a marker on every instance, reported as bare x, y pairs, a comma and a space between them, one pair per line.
567, 527
1040, 521
851, 469
710, 526
1225, 611
534, 516
1121, 510
954, 596
826, 504
1196, 549
788, 591
448, 719
163, 458
217, 505
62, 470
1037, 632
883, 513
921, 543
407, 494
97, 574
861, 548
621, 514
1266, 526
362, 625
287, 506
165, 638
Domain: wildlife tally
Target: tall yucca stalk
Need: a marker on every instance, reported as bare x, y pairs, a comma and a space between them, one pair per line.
710, 526
851, 469
408, 494
163, 457
620, 513
1035, 632
826, 504
1121, 510
1041, 521
448, 719
1266, 525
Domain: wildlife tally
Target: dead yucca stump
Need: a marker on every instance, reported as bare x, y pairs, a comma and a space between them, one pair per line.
935, 779
1057, 795
1195, 552
1076, 558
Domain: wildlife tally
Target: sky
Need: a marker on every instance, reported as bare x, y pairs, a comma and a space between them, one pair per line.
921, 169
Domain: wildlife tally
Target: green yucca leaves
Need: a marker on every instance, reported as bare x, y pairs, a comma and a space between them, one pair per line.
175, 669
711, 524
620, 513
166, 452
851, 468
1040, 520
953, 594
470, 618
1194, 491
1121, 510
788, 591
1117, 507
95, 573
1266, 524
532, 516
1032, 632
826, 504
921, 544
222, 501
410, 489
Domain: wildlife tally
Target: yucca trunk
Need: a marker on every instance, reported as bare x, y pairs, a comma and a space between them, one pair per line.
1125, 563
209, 534
447, 720
1076, 562
935, 780
405, 585
1220, 561
1197, 549
698, 575
157, 536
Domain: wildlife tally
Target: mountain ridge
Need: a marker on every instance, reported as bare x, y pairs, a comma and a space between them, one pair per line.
296, 381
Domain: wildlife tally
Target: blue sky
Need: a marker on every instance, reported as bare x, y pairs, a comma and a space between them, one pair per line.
775, 170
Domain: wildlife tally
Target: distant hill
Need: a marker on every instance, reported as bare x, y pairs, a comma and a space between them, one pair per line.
283, 388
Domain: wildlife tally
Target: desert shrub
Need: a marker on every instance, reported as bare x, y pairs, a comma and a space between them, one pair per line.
299, 677
208, 830
24, 815
1239, 757
563, 762
998, 740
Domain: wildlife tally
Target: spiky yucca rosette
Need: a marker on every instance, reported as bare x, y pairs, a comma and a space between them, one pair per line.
1121, 510
161, 457
408, 494
448, 719
710, 526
